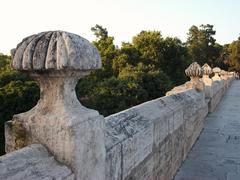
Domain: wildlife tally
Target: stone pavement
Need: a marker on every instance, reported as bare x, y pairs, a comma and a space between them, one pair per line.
216, 154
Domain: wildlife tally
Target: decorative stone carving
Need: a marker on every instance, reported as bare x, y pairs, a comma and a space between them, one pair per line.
195, 72
73, 133
216, 76
207, 70
55, 50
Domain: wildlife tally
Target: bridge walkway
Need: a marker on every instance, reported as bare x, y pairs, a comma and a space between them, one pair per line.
216, 154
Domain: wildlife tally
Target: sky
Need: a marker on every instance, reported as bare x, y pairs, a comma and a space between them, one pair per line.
122, 18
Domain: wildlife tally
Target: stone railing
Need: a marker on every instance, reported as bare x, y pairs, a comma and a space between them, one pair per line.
148, 141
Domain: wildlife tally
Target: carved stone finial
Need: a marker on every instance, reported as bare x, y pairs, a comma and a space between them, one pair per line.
216, 70
55, 50
207, 70
73, 133
195, 72
216, 76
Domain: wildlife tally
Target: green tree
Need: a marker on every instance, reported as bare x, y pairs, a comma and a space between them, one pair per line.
168, 55
233, 55
149, 44
130, 75
202, 45
17, 94
107, 49
176, 60
113, 95
221, 58
154, 81
100, 32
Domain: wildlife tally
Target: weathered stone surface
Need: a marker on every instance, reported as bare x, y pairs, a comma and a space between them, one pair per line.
150, 141
177, 89
32, 162
216, 153
138, 139
218, 91
72, 133
55, 50
216, 76
207, 70
194, 70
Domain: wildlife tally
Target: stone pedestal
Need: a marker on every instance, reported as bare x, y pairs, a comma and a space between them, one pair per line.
72, 133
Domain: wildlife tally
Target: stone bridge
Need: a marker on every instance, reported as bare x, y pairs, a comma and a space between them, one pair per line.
61, 139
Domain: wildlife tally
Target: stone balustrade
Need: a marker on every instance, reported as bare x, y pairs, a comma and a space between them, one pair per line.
148, 141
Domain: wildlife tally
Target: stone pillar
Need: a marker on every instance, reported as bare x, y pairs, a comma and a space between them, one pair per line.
223, 76
216, 76
73, 133
207, 70
195, 72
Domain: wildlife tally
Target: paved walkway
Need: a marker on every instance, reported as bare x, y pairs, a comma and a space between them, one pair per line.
216, 154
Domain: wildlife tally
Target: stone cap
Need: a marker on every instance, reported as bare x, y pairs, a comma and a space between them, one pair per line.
194, 70
216, 70
55, 50
207, 70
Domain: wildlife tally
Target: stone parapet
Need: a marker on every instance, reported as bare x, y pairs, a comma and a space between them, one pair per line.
33, 162
150, 141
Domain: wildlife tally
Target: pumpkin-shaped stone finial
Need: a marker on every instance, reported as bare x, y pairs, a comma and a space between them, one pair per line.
57, 60
216, 70
55, 50
216, 76
207, 70
194, 70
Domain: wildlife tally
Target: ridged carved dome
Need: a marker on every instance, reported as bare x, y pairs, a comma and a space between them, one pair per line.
55, 50
207, 70
194, 70
216, 70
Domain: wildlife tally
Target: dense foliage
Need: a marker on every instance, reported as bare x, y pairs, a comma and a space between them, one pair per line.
232, 57
138, 71
17, 94
202, 46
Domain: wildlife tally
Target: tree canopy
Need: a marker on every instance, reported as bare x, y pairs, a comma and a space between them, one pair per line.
17, 94
232, 57
140, 70
202, 45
